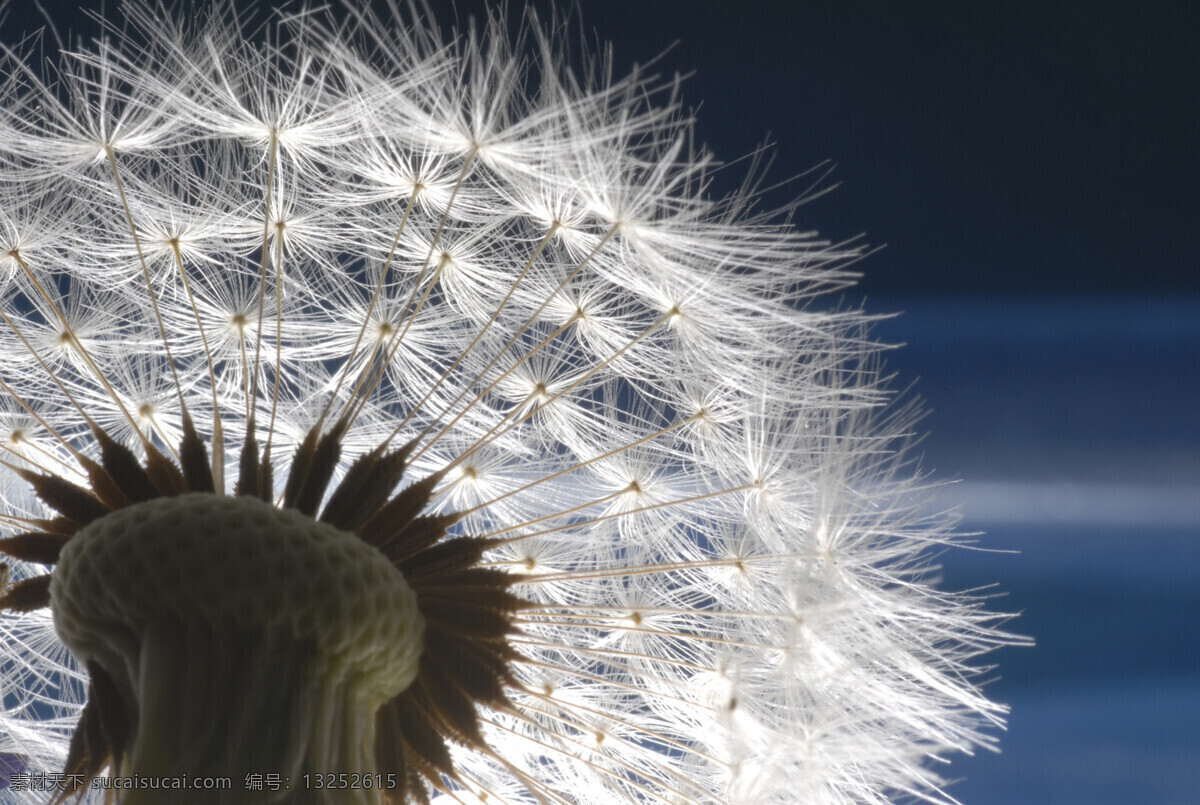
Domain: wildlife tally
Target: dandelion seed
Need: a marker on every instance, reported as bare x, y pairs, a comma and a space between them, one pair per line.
381, 405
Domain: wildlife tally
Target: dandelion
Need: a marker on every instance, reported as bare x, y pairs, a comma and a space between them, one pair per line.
385, 405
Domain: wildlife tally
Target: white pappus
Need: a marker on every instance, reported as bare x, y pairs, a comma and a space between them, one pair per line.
283, 304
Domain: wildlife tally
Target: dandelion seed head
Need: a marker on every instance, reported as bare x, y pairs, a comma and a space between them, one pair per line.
477, 321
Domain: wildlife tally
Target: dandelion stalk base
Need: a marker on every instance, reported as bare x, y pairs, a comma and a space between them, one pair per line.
239, 639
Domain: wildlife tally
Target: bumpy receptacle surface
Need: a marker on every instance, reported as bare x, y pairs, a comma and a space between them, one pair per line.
198, 605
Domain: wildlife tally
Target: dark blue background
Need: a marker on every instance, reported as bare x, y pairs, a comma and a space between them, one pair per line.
1071, 422
1033, 170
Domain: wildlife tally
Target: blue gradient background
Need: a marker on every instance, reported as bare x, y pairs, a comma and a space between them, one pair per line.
1072, 424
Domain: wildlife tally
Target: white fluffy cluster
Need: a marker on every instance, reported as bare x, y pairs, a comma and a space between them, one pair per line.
630, 383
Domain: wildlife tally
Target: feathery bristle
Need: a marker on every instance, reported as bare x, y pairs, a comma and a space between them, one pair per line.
652, 497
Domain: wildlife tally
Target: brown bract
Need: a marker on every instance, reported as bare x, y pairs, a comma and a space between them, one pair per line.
468, 609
